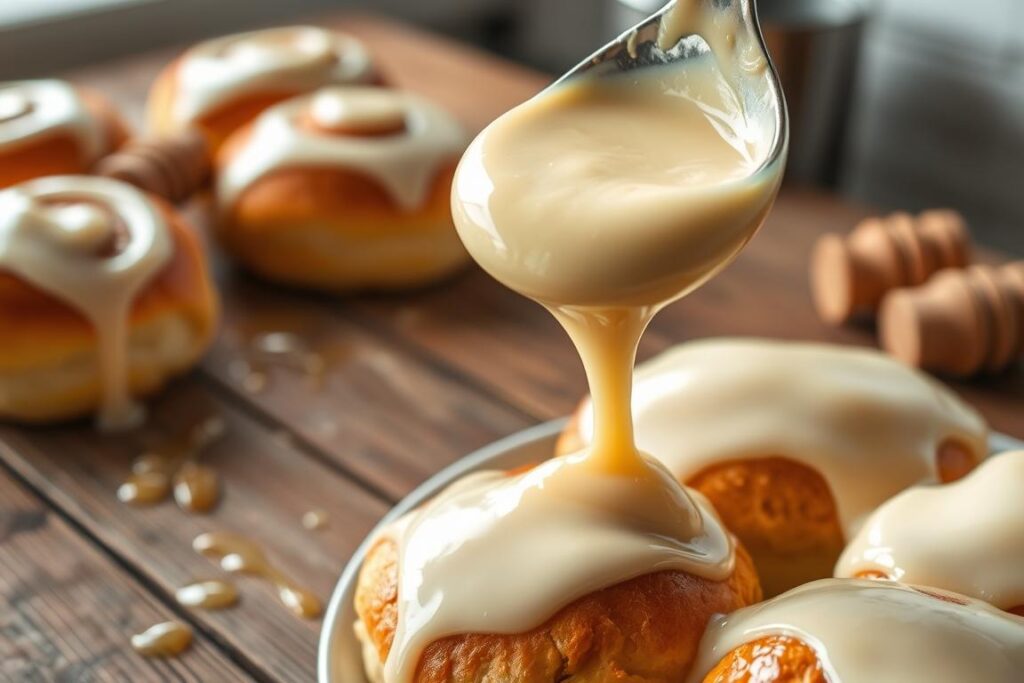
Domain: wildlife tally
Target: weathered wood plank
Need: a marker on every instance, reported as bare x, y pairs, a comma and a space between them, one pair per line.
68, 611
268, 485
380, 413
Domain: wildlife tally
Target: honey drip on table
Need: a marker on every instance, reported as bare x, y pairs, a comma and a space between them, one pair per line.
176, 468
212, 594
237, 554
315, 520
166, 639
285, 350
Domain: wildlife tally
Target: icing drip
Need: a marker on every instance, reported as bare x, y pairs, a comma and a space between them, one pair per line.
289, 59
30, 110
967, 536
868, 424
55, 233
405, 163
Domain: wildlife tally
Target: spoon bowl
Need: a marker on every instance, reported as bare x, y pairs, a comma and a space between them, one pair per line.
662, 40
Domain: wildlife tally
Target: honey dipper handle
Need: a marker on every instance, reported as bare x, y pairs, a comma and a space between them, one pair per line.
173, 167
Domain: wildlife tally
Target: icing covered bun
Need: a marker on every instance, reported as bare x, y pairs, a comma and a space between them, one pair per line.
50, 127
556, 573
967, 537
345, 188
104, 294
851, 631
222, 84
795, 444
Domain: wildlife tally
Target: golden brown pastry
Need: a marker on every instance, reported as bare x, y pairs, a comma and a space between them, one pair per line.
560, 572
967, 537
795, 444
104, 295
850, 631
346, 188
50, 127
222, 84
644, 630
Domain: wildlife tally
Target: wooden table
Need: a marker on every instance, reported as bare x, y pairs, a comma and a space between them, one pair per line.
417, 380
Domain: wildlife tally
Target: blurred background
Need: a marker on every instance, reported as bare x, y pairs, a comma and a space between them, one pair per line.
902, 104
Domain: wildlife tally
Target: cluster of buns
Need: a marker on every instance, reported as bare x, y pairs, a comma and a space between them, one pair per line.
934, 311
322, 177
963, 541
808, 454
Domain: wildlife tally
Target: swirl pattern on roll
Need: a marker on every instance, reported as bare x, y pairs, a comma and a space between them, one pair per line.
405, 163
93, 243
287, 59
30, 110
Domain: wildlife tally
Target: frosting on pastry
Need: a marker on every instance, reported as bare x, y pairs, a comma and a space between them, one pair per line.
30, 110
868, 424
280, 60
93, 243
967, 536
404, 163
499, 553
880, 632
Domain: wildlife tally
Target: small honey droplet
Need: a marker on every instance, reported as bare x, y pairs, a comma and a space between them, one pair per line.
213, 594
301, 602
314, 520
167, 639
145, 488
196, 487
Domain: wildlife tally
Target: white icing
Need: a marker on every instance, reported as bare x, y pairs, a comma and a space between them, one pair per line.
500, 554
869, 425
879, 632
967, 536
30, 110
357, 109
405, 164
288, 59
50, 229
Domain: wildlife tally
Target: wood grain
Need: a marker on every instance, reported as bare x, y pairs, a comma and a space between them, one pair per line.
268, 484
68, 611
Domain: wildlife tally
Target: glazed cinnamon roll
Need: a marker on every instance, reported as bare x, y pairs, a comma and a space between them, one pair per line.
966, 537
853, 631
104, 294
50, 127
553, 574
346, 188
222, 84
795, 444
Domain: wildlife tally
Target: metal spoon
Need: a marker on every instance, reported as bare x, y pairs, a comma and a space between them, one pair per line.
745, 61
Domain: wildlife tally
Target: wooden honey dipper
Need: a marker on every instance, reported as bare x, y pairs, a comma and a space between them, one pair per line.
850, 275
172, 167
961, 322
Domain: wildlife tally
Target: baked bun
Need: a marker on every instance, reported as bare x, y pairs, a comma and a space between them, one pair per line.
346, 188
104, 294
850, 631
795, 444
222, 84
967, 537
649, 627
50, 127
604, 612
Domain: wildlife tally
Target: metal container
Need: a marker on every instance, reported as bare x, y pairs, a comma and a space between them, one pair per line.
815, 45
